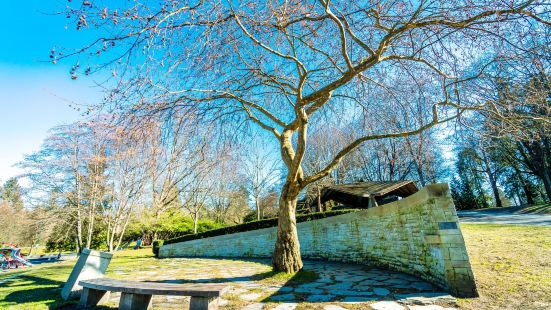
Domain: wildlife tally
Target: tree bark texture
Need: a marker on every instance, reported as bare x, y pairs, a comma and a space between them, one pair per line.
287, 249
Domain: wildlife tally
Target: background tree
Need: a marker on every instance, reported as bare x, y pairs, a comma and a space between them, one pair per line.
174, 150
230, 199
261, 171
127, 183
468, 187
12, 194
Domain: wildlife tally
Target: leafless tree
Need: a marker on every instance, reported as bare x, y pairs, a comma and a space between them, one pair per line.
174, 149
230, 199
195, 198
282, 64
128, 177
61, 166
261, 171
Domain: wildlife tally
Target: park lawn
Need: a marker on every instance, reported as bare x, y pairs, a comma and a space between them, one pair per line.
512, 266
39, 287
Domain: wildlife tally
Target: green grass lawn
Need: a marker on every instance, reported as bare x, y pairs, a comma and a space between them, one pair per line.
511, 264
512, 267
39, 287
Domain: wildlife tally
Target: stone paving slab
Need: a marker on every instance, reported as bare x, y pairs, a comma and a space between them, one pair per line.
339, 285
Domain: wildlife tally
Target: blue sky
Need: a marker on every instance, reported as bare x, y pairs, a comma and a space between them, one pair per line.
35, 95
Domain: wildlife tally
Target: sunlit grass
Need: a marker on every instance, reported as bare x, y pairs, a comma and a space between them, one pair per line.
39, 287
272, 277
512, 266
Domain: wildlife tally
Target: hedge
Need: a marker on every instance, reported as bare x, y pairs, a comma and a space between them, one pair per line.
254, 225
156, 246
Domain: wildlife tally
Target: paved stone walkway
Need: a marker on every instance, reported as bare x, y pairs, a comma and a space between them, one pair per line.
338, 286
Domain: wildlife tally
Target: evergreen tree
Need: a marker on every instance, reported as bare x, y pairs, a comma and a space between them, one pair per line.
12, 194
467, 187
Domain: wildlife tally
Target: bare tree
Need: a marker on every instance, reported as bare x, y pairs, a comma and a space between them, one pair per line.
61, 165
282, 64
261, 170
324, 143
95, 180
195, 199
174, 150
127, 176
230, 199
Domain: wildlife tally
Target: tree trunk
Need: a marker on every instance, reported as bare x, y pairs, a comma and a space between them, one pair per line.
492, 178
77, 246
112, 241
79, 231
90, 230
108, 235
495, 190
91, 218
287, 248
156, 225
320, 209
195, 220
525, 187
257, 207
92, 211
528, 193
119, 242
547, 184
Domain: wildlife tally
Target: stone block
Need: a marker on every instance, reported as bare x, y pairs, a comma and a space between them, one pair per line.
452, 239
138, 302
460, 264
90, 265
457, 253
432, 239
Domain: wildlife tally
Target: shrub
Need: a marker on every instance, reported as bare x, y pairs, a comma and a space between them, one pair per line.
170, 225
156, 246
267, 223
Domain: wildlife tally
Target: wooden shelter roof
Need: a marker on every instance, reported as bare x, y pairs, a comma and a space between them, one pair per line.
359, 194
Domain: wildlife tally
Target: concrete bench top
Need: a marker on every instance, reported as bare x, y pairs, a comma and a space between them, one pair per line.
155, 288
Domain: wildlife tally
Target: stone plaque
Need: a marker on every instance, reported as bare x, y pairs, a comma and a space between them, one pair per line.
447, 225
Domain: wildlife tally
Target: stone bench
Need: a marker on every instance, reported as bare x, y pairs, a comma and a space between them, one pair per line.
137, 295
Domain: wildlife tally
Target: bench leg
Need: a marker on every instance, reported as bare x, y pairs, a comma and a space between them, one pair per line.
203, 303
134, 302
91, 297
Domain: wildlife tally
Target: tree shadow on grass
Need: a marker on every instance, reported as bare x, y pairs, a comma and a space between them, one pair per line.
31, 290
290, 281
40, 291
305, 287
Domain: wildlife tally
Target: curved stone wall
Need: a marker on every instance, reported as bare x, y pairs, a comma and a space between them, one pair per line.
419, 235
